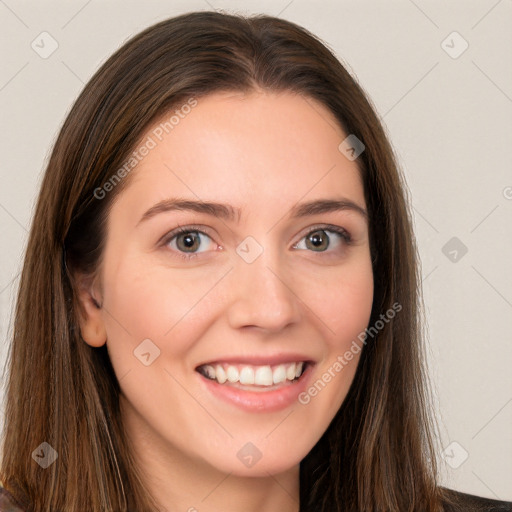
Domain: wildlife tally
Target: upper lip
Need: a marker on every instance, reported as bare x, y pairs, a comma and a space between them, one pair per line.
259, 360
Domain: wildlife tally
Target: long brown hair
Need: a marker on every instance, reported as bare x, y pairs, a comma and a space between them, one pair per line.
378, 453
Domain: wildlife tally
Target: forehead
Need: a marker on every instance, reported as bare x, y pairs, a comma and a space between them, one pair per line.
241, 148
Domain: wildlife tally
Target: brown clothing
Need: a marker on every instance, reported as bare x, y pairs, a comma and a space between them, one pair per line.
468, 503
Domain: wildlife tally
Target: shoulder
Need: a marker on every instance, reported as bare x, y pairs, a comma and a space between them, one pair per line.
7, 501
455, 501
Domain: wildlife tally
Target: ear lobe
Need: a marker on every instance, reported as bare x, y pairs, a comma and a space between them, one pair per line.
90, 315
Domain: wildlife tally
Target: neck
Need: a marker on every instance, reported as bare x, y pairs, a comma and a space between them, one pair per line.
216, 492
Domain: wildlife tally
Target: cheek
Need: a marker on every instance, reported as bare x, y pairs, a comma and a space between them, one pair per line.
342, 299
343, 304
144, 300
350, 307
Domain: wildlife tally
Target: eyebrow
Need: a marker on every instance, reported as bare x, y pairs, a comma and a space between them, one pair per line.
230, 213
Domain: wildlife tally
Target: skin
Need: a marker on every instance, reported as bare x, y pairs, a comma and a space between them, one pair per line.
263, 153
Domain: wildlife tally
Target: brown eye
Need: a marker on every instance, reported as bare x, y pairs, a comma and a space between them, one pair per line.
321, 239
317, 240
189, 241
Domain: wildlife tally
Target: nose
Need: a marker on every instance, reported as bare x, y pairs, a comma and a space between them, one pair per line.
262, 295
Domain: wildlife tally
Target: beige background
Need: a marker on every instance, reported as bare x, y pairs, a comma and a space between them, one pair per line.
450, 120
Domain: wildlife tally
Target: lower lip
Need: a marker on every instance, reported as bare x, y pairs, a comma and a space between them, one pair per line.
260, 401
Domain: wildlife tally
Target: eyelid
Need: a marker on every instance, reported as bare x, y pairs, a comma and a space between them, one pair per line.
327, 227
165, 239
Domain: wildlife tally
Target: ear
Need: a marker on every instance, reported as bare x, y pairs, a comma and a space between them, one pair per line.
90, 314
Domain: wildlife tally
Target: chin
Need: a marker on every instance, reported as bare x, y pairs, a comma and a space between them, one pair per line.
250, 461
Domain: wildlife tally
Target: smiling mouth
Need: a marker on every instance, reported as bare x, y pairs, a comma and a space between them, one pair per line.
264, 377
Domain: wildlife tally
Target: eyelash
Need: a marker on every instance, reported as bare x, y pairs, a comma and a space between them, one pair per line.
343, 233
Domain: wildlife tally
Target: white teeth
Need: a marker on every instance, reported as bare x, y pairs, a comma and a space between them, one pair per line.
253, 375
210, 371
279, 374
263, 376
247, 375
290, 371
232, 374
220, 374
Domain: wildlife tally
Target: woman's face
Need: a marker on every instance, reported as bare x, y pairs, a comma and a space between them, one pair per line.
267, 282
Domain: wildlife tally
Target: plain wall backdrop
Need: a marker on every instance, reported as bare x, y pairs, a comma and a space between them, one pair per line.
440, 76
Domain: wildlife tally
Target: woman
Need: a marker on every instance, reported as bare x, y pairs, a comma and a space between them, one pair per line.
218, 307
